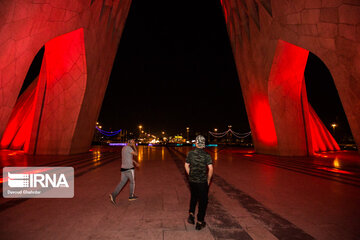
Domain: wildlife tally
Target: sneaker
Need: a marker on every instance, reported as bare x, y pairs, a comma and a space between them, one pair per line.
191, 219
200, 225
112, 200
132, 198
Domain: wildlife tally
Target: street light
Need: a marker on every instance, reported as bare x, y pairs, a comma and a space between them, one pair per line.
334, 125
163, 137
187, 133
215, 130
140, 130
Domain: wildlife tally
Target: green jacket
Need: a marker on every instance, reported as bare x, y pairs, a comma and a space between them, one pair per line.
198, 160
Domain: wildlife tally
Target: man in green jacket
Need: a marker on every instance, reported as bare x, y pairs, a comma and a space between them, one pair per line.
199, 167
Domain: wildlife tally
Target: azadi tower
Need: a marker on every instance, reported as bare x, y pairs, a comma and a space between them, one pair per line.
270, 40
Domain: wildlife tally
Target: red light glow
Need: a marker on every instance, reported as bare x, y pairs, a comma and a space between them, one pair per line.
299, 130
264, 129
63, 79
17, 131
248, 155
225, 11
321, 138
334, 170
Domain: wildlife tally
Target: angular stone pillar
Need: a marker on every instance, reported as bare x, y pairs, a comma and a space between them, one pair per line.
329, 29
81, 38
284, 86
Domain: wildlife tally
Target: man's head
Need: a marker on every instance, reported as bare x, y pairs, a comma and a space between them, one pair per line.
200, 141
131, 142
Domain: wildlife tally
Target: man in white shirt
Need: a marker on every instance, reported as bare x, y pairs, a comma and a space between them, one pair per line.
127, 171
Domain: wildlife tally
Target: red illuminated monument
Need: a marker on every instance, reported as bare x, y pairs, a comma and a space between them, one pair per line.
270, 41
57, 113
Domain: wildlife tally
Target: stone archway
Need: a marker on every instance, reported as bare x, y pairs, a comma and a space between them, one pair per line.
326, 28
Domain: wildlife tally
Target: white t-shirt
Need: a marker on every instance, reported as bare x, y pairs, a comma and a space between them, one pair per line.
127, 157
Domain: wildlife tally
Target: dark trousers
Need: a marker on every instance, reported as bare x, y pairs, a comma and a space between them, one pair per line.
199, 193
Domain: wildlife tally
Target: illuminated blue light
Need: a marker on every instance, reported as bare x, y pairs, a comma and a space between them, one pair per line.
107, 133
120, 144
117, 144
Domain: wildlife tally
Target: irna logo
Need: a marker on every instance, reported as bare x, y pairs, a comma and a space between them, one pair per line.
37, 179
38, 182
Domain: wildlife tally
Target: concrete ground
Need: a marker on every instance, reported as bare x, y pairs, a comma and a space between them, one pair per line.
251, 197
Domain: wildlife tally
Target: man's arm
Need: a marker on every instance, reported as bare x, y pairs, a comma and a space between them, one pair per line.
187, 163
135, 152
210, 173
187, 168
136, 163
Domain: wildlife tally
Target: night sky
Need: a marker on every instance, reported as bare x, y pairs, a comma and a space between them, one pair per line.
174, 69
324, 97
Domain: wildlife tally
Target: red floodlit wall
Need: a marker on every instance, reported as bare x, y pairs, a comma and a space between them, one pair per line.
262, 32
56, 98
44, 117
65, 78
322, 140
15, 135
81, 37
284, 88
263, 129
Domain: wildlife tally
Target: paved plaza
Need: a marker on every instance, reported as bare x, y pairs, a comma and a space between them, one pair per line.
252, 196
